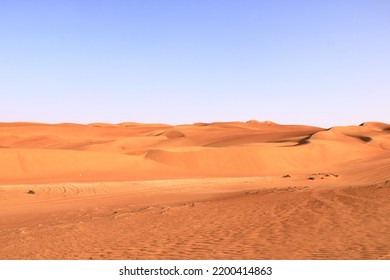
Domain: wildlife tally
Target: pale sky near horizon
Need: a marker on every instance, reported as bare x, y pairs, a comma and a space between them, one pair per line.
321, 63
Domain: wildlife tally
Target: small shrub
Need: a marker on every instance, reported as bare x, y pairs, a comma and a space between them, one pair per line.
31, 192
311, 178
286, 176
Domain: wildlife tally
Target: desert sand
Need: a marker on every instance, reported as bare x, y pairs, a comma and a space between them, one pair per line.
224, 190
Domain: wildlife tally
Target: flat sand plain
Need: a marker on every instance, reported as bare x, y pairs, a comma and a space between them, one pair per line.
227, 190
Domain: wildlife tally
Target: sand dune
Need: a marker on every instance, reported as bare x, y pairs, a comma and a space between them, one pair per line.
227, 190
130, 151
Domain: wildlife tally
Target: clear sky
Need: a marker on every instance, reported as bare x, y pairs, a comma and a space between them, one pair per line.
323, 63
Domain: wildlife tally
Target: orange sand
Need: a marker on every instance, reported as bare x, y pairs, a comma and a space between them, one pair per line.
200, 191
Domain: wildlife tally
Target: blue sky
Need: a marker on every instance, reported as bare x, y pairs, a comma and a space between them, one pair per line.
323, 63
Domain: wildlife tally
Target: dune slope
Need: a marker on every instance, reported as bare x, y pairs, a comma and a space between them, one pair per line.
99, 152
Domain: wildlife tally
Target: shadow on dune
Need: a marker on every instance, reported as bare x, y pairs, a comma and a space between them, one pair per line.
362, 138
300, 142
304, 141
